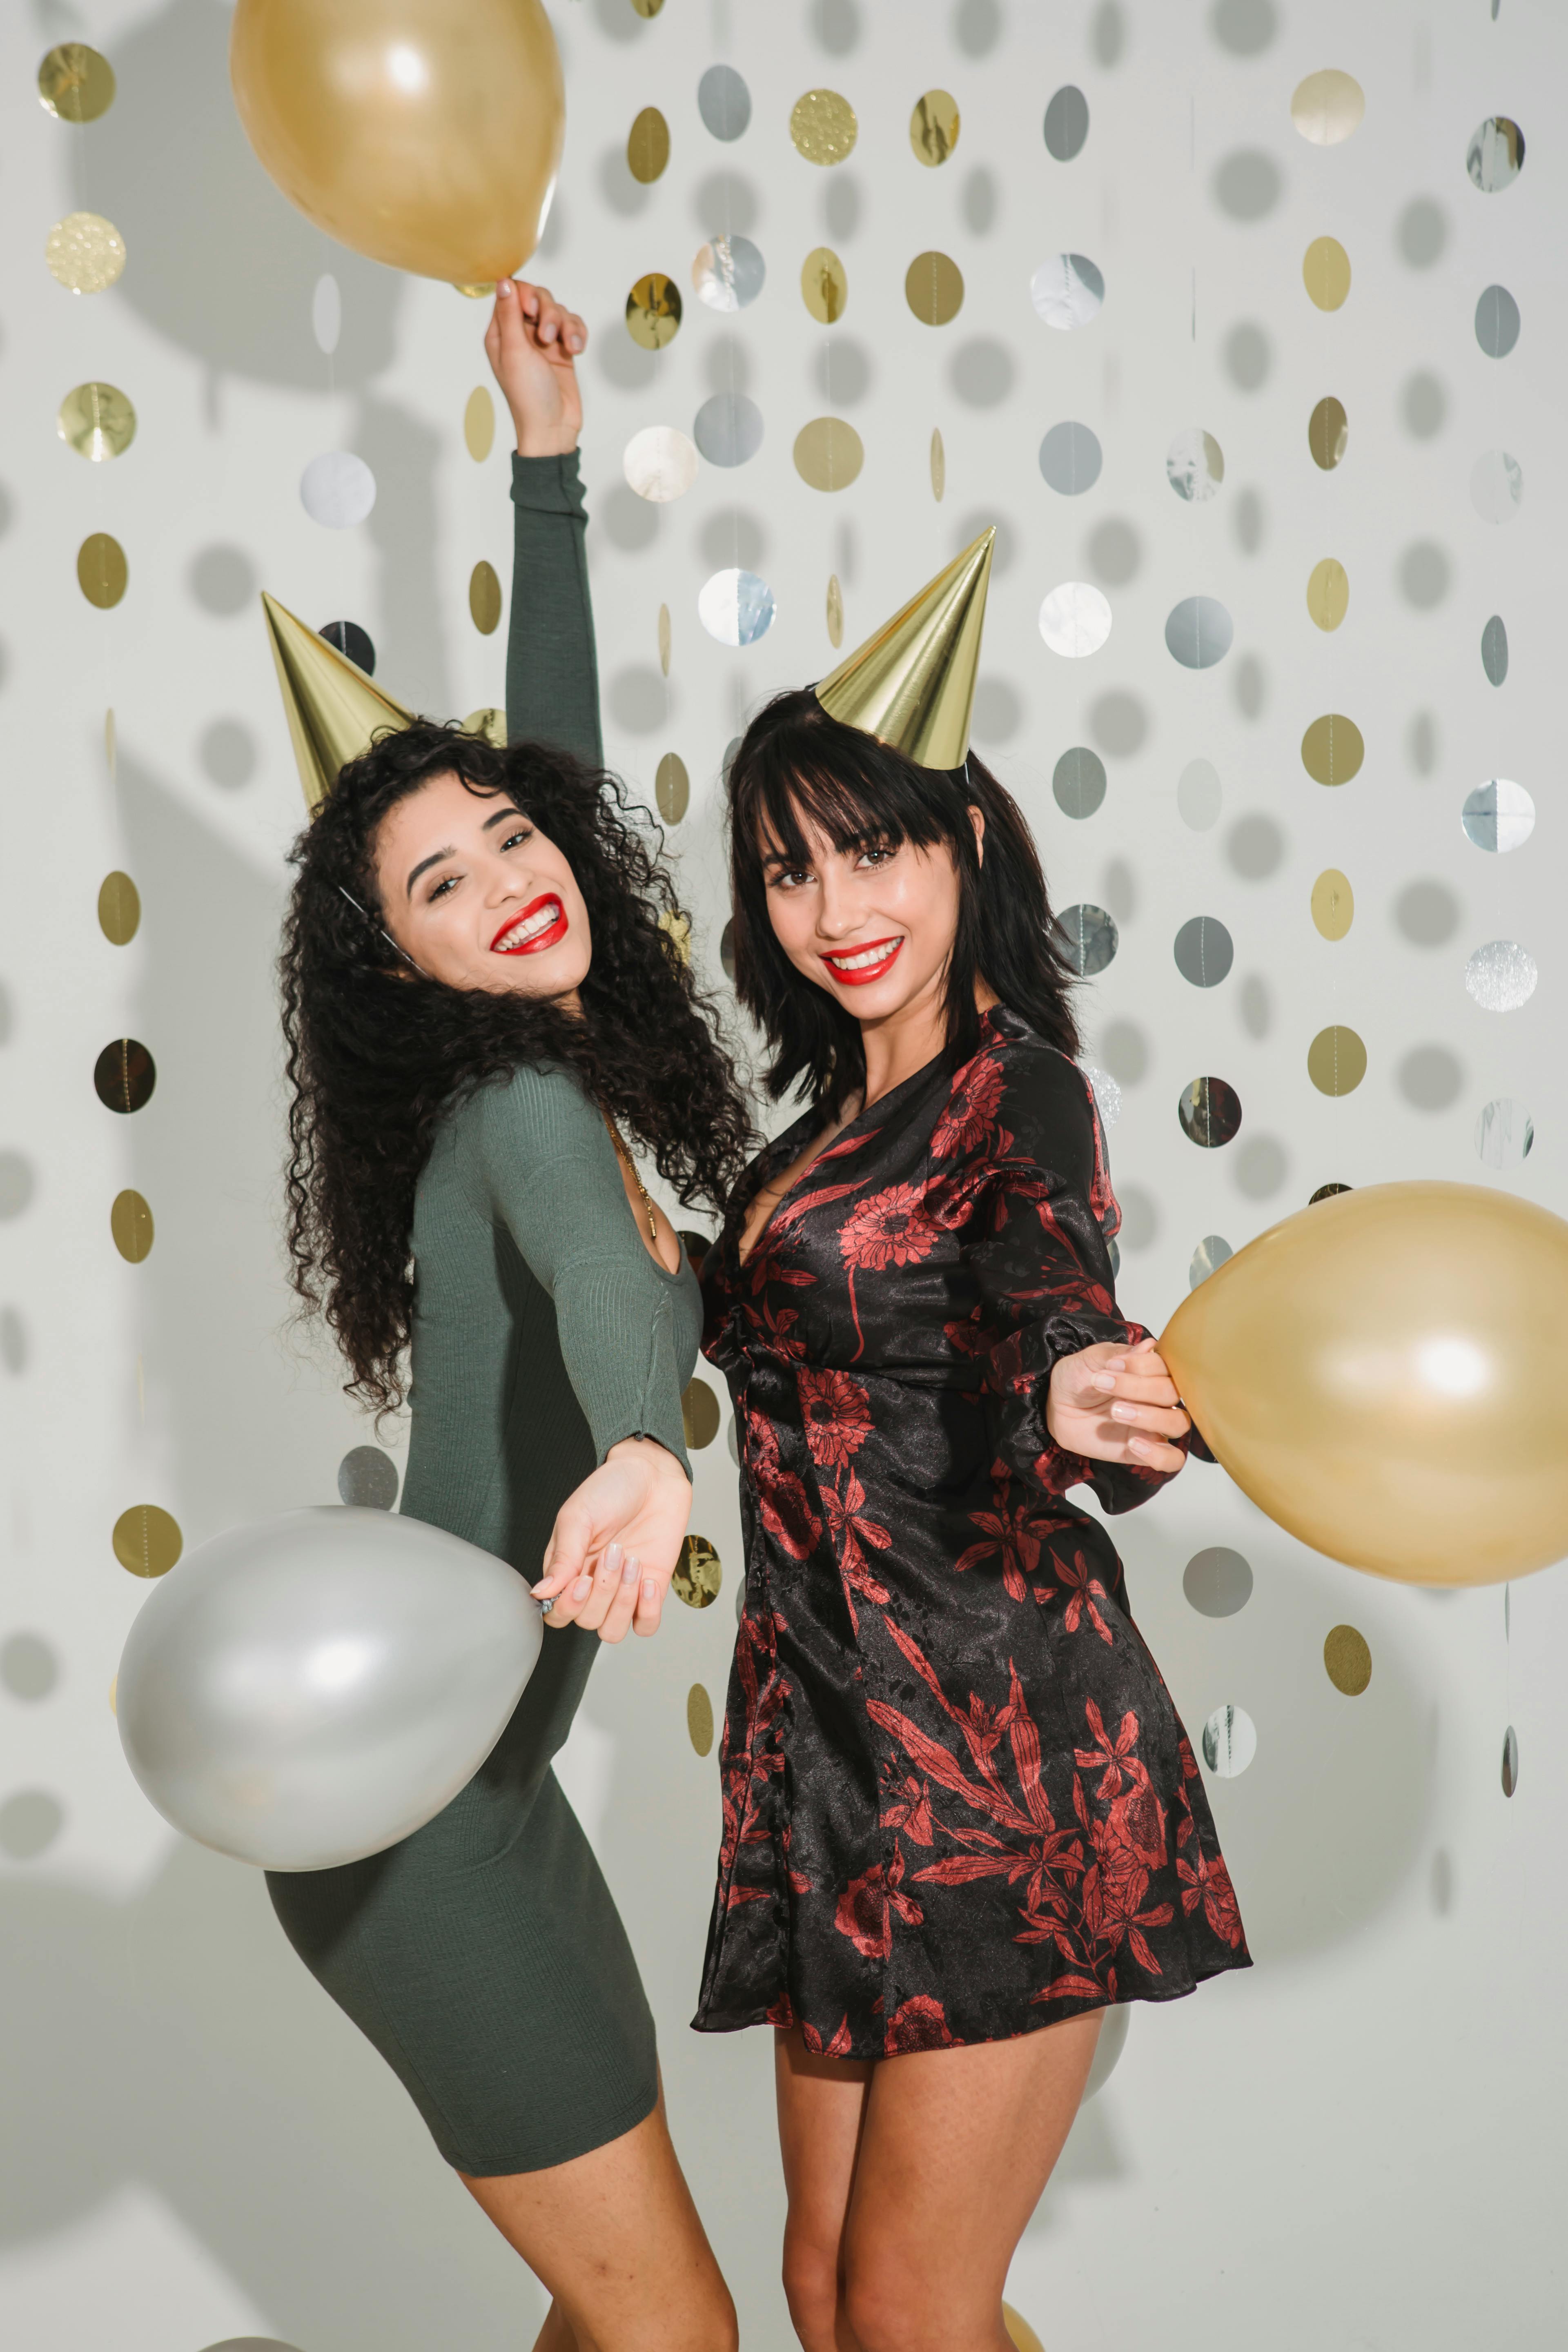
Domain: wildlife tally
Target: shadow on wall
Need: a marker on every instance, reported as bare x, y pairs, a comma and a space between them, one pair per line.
221, 265
206, 1154
1328, 1824
175, 2040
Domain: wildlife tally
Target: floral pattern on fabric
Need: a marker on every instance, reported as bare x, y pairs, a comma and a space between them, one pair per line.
958, 1802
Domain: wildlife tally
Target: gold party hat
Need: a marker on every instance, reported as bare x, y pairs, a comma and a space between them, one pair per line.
912, 685
333, 707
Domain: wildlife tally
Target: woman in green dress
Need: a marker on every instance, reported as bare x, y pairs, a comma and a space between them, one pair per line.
479, 998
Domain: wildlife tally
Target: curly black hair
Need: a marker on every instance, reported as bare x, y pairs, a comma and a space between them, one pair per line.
378, 1052
795, 763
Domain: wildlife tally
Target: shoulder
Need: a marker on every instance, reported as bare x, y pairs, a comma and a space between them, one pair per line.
1017, 1098
537, 1115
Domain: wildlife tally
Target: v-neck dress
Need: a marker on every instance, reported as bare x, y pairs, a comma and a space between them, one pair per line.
958, 1801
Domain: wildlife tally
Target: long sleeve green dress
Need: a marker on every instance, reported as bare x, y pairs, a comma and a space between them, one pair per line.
484, 1955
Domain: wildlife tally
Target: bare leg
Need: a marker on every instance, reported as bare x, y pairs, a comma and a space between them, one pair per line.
914, 2185
614, 2237
822, 2110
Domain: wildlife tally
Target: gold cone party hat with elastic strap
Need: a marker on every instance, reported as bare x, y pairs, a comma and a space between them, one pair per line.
912, 685
333, 707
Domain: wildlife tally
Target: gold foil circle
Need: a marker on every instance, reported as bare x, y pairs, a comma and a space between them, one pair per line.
829, 453
488, 724
480, 290
676, 929
697, 1573
118, 909
698, 1404
1329, 592
97, 421
1328, 433
653, 312
1328, 107
1332, 749
75, 83
647, 8
1336, 1061
933, 288
699, 1720
823, 126
664, 639
484, 598
147, 1540
1326, 272
101, 570
648, 146
933, 126
480, 423
130, 1225
85, 252
1334, 903
1347, 1660
835, 611
938, 464
1020, 2334
823, 285
672, 796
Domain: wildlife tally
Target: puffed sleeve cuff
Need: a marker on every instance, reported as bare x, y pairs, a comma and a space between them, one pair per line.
549, 485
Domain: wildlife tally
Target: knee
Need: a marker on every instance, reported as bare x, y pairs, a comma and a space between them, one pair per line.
811, 2290
888, 2311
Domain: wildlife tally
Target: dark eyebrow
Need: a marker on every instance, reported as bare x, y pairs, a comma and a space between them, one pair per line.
424, 867
502, 816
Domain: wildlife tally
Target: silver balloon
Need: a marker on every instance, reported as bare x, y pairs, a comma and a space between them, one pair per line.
310, 1690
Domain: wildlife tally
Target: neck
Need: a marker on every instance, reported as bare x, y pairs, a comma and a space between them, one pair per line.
905, 1041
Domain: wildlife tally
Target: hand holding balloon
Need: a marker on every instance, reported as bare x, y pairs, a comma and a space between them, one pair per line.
531, 344
613, 1552
1113, 1403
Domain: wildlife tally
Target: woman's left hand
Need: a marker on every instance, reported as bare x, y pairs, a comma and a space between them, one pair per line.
533, 344
1114, 1404
615, 1542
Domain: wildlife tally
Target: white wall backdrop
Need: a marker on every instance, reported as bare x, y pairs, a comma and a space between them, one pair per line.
1358, 2144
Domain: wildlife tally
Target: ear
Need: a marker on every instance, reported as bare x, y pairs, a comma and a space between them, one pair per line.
977, 819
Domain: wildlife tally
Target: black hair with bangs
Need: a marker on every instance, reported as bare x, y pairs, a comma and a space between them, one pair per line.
796, 763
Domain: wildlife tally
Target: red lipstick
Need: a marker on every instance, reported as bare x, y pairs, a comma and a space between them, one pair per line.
864, 972
547, 936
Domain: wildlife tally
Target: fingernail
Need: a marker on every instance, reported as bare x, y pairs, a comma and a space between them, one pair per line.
629, 1572
1103, 1380
612, 1558
649, 1588
581, 1590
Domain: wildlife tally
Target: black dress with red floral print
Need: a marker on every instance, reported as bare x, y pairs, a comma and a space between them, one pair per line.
958, 1802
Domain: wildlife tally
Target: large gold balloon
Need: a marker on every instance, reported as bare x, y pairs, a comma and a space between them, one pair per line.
1382, 1374
424, 132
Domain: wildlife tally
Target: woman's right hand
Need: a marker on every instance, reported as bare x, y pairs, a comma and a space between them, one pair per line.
532, 345
615, 1542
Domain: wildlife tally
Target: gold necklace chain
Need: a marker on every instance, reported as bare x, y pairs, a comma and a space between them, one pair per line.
630, 1165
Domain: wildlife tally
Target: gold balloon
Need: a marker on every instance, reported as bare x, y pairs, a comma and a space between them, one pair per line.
426, 135
1379, 1374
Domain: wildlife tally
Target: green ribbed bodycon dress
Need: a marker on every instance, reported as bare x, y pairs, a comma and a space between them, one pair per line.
484, 1957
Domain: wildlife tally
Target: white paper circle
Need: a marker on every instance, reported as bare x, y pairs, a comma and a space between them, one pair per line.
659, 463
337, 488
327, 313
1067, 291
1075, 619
728, 273
1501, 976
736, 607
1497, 486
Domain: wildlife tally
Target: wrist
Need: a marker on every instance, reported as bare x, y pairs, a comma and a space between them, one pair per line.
650, 1453
538, 441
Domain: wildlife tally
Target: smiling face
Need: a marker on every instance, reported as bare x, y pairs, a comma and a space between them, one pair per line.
478, 897
873, 925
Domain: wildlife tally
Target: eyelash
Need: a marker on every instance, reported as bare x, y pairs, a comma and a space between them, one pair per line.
790, 875
449, 881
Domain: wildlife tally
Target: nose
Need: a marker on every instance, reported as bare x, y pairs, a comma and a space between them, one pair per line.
838, 906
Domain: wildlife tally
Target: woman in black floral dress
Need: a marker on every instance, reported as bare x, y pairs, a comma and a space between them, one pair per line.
958, 1804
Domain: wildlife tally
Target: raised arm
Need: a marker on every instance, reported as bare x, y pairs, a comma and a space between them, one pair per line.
551, 665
